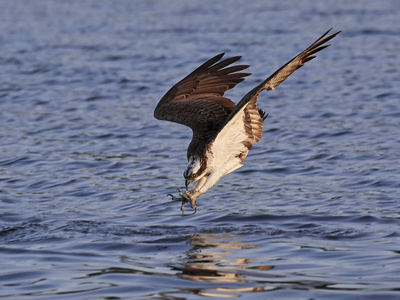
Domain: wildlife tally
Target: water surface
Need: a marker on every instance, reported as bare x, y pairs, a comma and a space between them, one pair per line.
85, 169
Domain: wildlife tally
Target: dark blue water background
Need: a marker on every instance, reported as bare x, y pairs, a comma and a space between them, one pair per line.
85, 169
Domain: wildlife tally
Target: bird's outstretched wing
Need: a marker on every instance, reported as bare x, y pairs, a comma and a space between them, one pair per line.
285, 71
244, 125
197, 100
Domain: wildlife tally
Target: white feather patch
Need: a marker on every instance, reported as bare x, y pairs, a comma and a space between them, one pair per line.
228, 145
228, 149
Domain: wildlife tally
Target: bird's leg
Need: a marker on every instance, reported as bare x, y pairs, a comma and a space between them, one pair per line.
191, 199
188, 197
185, 198
193, 204
183, 207
184, 201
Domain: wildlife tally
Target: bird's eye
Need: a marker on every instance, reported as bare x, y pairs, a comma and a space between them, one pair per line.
193, 175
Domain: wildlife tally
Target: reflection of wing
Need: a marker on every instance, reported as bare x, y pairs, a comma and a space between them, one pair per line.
243, 127
197, 101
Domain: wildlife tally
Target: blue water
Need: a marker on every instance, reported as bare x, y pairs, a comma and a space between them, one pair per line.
85, 169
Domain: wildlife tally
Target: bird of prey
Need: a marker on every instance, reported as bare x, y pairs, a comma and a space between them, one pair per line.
223, 133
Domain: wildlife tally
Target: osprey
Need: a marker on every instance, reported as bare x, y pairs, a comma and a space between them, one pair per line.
223, 133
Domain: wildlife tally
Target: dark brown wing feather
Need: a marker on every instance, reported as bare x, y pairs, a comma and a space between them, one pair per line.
253, 118
284, 72
197, 100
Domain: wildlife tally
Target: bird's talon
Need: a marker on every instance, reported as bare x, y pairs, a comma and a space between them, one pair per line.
185, 198
175, 198
193, 203
183, 207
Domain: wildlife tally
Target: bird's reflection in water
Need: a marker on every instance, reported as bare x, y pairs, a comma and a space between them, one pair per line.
219, 260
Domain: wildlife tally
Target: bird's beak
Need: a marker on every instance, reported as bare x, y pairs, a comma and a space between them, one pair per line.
186, 183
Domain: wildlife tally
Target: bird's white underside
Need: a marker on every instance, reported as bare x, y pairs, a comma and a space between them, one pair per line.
223, 157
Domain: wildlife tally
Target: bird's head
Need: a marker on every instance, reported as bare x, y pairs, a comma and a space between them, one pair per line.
195, 170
